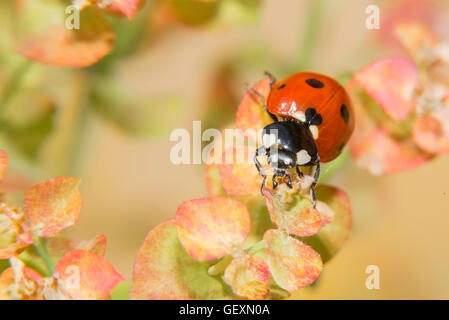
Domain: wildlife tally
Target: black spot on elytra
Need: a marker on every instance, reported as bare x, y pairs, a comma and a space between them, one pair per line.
313, 118
315, 83
344, 113
282, 86
341, 146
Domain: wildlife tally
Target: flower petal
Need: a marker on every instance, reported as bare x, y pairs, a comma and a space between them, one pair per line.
391, 83
431, 131
86, 275
334, 233
211, 228
3, 163
60, 46
420, 43
163, 270
251, 117
15, 234
296, 216
20, 282
124, 7
249, 277
238, 172
381, 154
378, 143
58, 246
53, 205
292, 263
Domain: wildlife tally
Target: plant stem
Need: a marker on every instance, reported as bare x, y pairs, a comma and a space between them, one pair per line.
13, 84
218, 268
256, 247
61, 149
42, 250
335, 166
310, 34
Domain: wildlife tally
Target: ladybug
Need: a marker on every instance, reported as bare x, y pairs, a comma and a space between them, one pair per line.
312, 121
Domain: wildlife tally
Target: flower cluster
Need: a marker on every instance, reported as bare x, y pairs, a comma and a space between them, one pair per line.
259, 247
31, 232
80, 45
402, 104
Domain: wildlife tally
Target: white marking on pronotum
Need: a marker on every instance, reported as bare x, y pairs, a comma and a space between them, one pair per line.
303, 157
314, 131
300, 116
269, 140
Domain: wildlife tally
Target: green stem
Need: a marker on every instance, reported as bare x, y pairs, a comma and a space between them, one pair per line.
256, 247
310, 34
218, 268
277, 293
43, 252
61, 151
334, 166
13, 84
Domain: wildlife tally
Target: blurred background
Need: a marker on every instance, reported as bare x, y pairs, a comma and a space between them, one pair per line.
109, 124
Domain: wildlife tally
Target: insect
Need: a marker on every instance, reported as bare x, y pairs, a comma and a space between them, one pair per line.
312, 121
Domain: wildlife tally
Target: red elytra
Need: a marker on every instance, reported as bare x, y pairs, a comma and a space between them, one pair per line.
292, 97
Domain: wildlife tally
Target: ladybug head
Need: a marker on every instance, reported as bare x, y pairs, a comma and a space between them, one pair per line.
289, 144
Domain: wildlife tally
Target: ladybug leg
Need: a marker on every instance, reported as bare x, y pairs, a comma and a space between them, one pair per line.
272, 78
289, 181
299, 172
275, 183
261, 152
315, 181
262, 101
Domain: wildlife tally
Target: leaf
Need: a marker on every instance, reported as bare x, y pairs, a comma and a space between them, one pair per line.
431, 131
58, 246
260, 221
251, 117
97, 277
163, 270
60, 46
3, 163
333, 235
391, 82
29, 119
134, 111
293, 264
213, 181
121, 291
295, 216
210, 228
238, 13
249, 277
239, 175
194, 12
53, 205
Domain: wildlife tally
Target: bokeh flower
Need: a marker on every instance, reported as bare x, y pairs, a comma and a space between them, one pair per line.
402, 105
